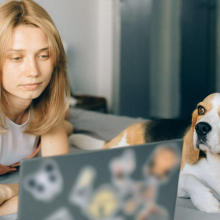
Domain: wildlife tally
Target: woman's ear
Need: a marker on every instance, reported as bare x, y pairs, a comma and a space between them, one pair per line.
190, 155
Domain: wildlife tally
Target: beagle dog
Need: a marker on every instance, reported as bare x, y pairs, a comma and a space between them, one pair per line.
200, 164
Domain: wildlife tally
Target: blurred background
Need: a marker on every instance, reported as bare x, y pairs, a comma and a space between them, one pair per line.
147, 58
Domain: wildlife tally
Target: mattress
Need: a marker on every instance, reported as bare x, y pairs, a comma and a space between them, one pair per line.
105, 127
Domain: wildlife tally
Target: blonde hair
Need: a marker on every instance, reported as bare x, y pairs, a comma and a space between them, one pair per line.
47, 109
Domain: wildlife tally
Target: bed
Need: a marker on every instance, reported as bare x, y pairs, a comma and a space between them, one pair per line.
107, 126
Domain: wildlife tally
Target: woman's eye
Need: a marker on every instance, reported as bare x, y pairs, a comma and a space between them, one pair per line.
44, 57
201, 110
16, 58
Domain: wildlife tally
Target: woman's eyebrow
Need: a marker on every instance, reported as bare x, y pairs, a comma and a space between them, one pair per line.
45, 48
15, 50
22, 50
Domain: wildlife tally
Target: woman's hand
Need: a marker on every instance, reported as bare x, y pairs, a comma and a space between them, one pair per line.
8, 198
2, 194
8, 191
10, 206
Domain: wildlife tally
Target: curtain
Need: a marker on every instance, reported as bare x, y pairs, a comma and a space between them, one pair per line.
165, 59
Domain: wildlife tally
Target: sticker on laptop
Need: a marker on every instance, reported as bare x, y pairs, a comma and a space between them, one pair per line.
46, 183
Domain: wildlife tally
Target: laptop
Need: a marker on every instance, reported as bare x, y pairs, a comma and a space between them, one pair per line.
129, 183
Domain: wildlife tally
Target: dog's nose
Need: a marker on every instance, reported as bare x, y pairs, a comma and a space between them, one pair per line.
203, 128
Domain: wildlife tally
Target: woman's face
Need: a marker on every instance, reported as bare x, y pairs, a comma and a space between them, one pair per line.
28, 67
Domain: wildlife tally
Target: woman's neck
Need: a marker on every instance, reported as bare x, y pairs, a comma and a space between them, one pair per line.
19, 118
17, 109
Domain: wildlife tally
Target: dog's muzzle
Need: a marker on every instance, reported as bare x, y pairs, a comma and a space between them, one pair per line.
202, 129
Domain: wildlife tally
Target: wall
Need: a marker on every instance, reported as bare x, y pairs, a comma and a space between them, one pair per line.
87, 27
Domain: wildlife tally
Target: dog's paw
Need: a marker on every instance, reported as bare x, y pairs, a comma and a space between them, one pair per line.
206, 202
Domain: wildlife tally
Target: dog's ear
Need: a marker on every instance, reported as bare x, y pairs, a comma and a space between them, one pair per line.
190, 155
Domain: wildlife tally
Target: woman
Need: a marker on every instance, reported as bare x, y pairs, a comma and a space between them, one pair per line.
34, 90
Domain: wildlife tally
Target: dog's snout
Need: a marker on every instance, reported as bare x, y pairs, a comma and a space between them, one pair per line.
203, 128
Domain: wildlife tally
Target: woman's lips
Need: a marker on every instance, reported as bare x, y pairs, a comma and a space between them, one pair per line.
31, 86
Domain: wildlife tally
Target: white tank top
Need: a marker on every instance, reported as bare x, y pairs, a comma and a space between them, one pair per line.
14, 144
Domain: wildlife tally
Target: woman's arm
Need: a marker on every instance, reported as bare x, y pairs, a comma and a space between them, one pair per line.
55, 141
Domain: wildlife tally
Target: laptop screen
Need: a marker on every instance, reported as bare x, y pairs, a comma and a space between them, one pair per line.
137, 182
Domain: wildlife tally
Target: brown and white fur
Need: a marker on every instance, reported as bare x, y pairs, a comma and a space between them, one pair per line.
200, 165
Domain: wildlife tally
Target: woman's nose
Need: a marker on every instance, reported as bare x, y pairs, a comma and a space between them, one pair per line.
32, 68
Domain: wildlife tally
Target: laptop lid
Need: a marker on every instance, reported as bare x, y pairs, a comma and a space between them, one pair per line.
137, 182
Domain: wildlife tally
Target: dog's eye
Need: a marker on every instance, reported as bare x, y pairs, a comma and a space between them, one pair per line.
201, 110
